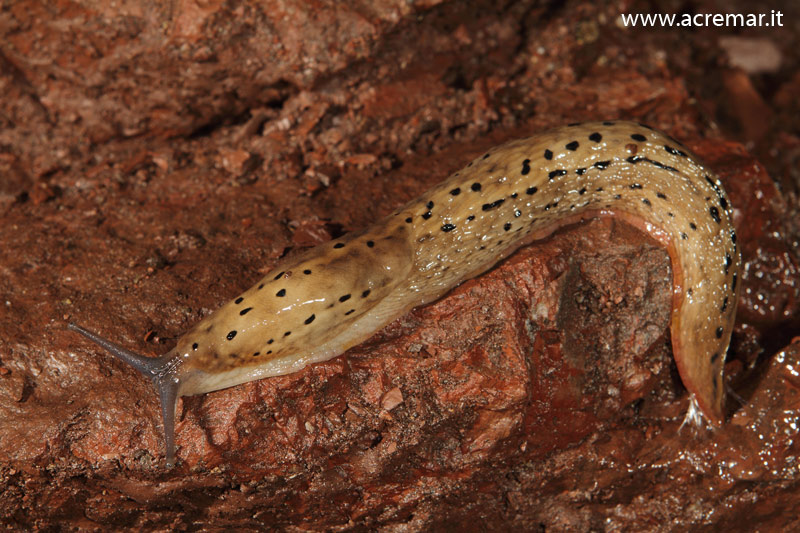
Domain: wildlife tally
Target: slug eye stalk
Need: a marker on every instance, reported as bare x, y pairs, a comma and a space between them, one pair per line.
162, 373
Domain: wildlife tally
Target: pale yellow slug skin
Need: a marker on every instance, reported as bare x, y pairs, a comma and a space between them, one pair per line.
336, 295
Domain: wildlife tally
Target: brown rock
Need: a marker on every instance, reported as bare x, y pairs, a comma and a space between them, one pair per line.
155, 161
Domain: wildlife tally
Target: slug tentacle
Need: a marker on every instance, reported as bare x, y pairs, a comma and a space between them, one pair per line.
162, 371
149, 366
167, 387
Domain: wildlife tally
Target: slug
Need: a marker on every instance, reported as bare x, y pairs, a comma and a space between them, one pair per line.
315, 306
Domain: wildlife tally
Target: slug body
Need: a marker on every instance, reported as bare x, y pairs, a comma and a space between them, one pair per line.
338, 294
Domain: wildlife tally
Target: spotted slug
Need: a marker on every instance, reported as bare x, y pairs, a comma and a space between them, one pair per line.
315, 306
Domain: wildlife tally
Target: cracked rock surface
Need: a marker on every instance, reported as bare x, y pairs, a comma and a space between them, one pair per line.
155, 161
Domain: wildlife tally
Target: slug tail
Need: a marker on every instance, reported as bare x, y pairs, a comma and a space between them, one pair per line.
162, 371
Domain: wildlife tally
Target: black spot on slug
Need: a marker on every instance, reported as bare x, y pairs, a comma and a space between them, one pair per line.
671, 150
261, 286
718, 333
714, 358
724, 305
238, 300
309, 320
514, 195
427, 215
526, 166
408, 220
661, 195
714, 214
733, 282
548, 154
733, 237
645, 201
448, 227
582, 191
470, 218
270, 341
456, 191
517, 213
370, 244
506, 226
194, 346
636, 186
279, 276
344, 298
281, 293
684, 236
693, 226
617, 197
602, 165
245, 311
711, 182
429, 205
572, 146
350, 312
728, 262
231, 334
608, 123
662, 165
339, 245
287, 333
256, 354
596, 137
638, 137
723, 203
556, 173
365, 293
580, 171
306, 272
496, 203
634, 159
531, 190
475, 187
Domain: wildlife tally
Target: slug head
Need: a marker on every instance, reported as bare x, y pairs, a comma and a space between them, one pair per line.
162, 371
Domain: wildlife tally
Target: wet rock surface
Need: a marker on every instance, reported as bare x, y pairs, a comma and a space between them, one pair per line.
154, 162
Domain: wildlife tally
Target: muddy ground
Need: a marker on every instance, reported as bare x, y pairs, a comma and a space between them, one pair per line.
154, 162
